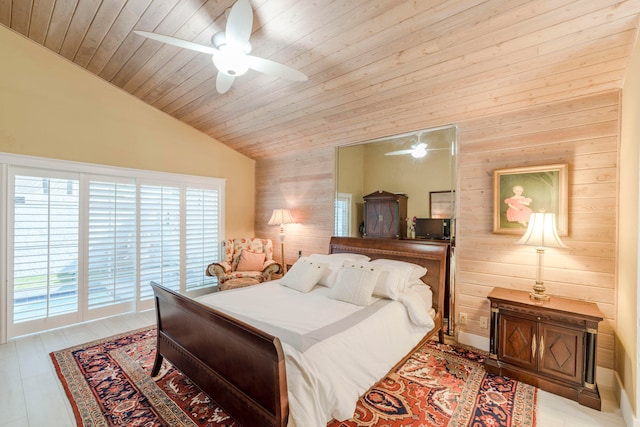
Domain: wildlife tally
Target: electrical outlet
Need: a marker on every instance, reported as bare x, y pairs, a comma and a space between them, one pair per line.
484, 322
462, 318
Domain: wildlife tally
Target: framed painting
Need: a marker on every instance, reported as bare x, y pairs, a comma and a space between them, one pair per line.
517, 192
442, 204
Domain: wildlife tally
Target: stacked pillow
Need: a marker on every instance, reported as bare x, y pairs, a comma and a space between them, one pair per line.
355, 282
334, 263
396, 277
304, 274
352, 278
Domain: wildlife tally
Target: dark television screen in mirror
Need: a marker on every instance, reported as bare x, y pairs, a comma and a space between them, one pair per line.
433, 228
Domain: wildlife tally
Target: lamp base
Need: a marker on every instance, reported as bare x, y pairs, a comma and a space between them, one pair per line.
284, 264
538, 294
539, 298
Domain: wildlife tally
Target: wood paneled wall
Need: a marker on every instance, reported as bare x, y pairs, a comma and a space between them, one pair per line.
305, 184
582, 132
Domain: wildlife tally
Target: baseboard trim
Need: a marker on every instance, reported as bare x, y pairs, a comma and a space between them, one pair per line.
625, 406
473, 340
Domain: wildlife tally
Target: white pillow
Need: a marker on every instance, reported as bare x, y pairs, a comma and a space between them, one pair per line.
303, 275
419, 313
355, 282
391, 283
423, 291
334, 263
410, 271
342, 256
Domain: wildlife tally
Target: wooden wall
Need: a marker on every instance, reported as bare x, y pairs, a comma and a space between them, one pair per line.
584, 134
305, 184
581, 132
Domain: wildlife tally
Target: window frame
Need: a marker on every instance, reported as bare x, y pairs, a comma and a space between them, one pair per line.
86, 171
48, 322
99, 312
347, 198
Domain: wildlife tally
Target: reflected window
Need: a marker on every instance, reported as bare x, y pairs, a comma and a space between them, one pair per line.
342, 226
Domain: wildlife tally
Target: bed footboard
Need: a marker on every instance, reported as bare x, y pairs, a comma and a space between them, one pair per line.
237, 365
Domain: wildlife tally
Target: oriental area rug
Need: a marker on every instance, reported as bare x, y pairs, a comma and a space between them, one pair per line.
108, 384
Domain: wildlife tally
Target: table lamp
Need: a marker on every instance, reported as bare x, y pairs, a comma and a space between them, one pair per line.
281, 217
541, 233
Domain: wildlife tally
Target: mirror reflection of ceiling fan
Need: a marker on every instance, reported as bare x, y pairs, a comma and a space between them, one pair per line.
230, 50
417, 151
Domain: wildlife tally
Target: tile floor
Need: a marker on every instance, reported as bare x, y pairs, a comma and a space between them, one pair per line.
26, 370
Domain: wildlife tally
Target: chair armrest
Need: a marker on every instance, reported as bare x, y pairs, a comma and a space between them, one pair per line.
270, 267
219, 269
225, 266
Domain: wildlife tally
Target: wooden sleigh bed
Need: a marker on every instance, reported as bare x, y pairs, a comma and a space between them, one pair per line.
243, 368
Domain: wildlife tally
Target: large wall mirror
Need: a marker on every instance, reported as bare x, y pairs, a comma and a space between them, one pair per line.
420, 165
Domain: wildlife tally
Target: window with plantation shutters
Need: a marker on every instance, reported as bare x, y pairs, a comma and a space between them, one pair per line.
342, 215
45, 228
111, 259
202, 238
84, 241
159, 238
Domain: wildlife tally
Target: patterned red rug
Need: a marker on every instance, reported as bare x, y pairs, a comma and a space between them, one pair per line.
108, 384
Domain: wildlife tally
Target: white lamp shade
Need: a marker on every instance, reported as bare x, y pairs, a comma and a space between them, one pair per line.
542, 232
281, 216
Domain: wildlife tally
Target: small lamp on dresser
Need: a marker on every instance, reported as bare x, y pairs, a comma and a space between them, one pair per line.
541, 233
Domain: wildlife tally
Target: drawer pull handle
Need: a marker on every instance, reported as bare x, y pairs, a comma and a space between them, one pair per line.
542, 347
533, 346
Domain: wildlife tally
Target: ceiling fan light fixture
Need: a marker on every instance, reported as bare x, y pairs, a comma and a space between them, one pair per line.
419, 151
231, 63
219, 41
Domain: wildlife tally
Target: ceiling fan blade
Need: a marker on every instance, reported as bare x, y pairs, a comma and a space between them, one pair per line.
398, 153
275, 69
178, 42
239, 24
223, 82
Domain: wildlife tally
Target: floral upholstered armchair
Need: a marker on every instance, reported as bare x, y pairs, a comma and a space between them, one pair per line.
243, 258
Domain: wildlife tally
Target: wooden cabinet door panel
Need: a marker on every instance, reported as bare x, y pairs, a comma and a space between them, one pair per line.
384, 214
561, 352
374, 219
389, 219
518, 341
551, 345
382, 218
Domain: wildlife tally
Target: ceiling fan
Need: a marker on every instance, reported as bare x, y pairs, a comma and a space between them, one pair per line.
230, 49
417, 151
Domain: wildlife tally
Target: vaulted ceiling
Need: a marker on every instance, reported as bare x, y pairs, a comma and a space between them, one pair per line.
375, 67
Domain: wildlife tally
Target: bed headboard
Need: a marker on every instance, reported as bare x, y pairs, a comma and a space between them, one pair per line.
432, 255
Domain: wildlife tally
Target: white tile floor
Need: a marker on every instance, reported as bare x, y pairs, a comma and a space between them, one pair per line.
26, 370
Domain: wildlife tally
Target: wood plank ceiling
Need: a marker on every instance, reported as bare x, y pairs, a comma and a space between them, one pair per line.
375, 67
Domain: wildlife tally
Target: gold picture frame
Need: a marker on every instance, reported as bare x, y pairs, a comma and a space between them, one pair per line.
442, 204
517, 192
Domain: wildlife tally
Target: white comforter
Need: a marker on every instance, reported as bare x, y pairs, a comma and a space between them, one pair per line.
327, 371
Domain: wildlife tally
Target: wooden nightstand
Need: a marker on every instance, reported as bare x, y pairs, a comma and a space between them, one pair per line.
550, 345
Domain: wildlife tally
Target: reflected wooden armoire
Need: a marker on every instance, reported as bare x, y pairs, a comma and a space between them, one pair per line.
385, 215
